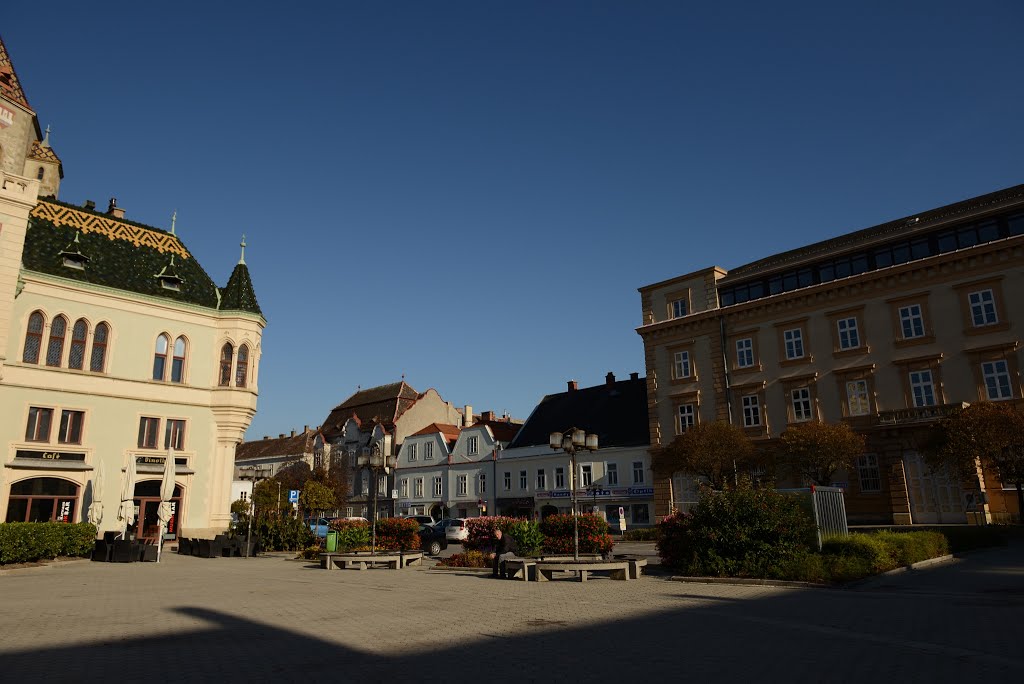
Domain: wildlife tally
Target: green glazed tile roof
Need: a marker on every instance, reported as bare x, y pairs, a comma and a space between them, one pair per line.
239, 294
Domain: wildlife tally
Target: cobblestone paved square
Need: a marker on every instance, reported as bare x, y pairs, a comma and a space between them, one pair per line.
268, 618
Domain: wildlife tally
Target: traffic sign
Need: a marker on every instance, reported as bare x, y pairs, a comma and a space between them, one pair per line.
293, 496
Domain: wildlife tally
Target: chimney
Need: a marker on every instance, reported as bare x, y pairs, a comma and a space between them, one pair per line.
467, 416
281, 436
573, 386
609, 379
114, 210
305, 428
266, 436
634, 376
487, 416
90, 205
293, 433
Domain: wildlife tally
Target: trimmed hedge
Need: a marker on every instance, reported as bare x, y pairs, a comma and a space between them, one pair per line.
480, 531
642, 534
29, 542
397, 534
469, 559
593, 533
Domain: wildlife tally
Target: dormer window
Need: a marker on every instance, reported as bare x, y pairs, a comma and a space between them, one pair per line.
74, 261
169, 278
72, 256
171, 283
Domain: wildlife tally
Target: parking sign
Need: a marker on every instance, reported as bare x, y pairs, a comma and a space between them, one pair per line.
293, 496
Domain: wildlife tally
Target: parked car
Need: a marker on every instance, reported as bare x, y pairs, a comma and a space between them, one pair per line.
421, 519
432, 540
455, 529
318, 526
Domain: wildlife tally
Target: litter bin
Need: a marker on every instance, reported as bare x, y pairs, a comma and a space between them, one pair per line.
332, 541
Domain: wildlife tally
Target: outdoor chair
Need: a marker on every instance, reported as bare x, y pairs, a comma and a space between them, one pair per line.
184, 546
147, 552
124, 551
102, 551
195, 546
217, 546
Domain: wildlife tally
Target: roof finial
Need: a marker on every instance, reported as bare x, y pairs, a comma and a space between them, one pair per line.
174, 219
241, 244
46, 138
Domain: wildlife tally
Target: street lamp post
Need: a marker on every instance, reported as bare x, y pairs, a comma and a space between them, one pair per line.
377, 463
570, 442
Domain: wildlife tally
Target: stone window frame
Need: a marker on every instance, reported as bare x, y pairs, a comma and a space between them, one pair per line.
869, 472
922, 300
689, 347
674, 296
834, 319
734, 366
751, 389
965, 290
859, 373
789, 385
996, 352
805, 341
688, 398
932, 362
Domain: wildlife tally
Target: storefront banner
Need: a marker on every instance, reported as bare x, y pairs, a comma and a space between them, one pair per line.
49, 455
615, 493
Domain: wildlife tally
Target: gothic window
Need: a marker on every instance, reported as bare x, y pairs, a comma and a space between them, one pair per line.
76, 359
40, 173
178, 363
227, 354
242, 366
160, 357
55, 348
33, 338
97, 363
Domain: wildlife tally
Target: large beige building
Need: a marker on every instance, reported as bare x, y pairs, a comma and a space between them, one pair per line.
115, 345
886, 328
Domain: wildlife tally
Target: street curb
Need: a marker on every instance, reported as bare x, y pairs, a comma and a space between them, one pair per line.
749, 582
38, 565
445, 568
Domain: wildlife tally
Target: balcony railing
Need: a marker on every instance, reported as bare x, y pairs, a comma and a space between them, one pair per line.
918, 414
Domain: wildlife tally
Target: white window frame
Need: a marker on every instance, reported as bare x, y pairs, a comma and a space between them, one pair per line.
542, 479
857, 399
437, 487
365, 483
911, 321
507, 480
983, 308
382, 484
794, 339
849, 334
417, 488
586, 474
922, 388
428, 451
800, 397
751, 410
611, 474
463, 484
559, 477
403, 488
412, 452
686, 417
996, 375
638, 472
679, 308
471, 445
681, 364
524, 480
745, 352
483, 483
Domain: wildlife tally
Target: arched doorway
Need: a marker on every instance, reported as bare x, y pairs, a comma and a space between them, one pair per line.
42, 499
147, 500
437, 512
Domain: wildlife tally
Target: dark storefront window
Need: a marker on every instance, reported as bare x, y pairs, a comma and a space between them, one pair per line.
147, 499
42, 499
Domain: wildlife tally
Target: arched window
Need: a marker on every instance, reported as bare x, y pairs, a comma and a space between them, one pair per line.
97, 363
42, 499
178, 364
227, 352
76, 358
55, 348
40, 173
160, 357
242, 367
33, 338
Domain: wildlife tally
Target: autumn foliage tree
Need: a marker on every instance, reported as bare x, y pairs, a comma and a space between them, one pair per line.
817, 451
714, 451
987, 432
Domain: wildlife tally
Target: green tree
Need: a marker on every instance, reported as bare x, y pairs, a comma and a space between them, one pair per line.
987, 434
715, 451
816, 451
265, 496
316, 497
294, 475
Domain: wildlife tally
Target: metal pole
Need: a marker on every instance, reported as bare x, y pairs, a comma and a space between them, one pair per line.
248, 536
373, 542
278, 499
575, 512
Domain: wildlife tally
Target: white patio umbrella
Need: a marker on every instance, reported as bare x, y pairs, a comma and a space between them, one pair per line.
126, 511
163, 513
96, 507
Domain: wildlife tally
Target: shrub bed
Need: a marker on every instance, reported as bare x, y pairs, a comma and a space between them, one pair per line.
352, 534
469, 559
397, 534
271, 533
642, 534
480, 531
29, 542
593, 534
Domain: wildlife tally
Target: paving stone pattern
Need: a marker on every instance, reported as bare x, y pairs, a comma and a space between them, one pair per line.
272, 619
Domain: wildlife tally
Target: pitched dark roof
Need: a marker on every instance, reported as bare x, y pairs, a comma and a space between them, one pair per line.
122, 254
445, 429
616, 412
281, 446
384, 404
10, 86
503, 430
239, 294
857, 239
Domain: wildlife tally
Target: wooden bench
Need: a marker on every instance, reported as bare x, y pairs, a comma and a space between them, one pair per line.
617, 570
362, 561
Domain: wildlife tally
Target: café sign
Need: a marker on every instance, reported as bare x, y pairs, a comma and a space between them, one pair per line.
159, 460
49, 455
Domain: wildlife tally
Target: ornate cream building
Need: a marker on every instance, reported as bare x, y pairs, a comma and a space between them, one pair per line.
886, 328
114, 345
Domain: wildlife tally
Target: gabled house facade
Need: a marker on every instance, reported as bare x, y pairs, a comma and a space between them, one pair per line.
264, 458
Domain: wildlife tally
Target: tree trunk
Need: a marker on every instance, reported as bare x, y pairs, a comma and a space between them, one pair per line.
1020, 503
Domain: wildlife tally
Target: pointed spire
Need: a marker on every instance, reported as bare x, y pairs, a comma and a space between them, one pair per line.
242, 245
46, 138
174, 219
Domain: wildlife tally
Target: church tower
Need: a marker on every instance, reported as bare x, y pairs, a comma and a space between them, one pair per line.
24, 150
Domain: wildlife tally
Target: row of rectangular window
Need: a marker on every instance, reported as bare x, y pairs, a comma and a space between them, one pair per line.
898, 252
40, 421
586, 479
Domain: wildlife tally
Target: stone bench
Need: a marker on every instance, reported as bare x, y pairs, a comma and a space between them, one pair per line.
617, 570
520, 568
362, 561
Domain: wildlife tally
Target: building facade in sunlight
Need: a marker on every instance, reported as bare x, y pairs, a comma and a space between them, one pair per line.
886, 328
115, 346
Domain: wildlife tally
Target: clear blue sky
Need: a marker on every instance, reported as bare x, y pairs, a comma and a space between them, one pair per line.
470, 193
